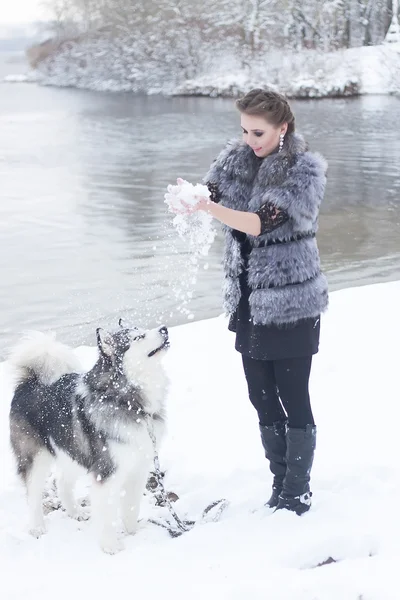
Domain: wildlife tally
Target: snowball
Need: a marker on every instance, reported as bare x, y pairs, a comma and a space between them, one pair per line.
186, 192
195, 228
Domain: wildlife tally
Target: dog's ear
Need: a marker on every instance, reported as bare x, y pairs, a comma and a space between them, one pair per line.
105, 342
124, 324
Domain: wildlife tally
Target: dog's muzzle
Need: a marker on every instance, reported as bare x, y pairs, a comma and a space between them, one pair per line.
164, 332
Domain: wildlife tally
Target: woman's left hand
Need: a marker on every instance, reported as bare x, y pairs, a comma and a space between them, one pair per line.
187, 209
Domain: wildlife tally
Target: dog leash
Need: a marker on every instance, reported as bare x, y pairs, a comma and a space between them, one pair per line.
182, 526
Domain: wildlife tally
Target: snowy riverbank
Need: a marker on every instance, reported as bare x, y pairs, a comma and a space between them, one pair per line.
356, 71
213, 450
97, 65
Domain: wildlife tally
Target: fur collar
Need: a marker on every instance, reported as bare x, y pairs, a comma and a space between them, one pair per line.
240, 162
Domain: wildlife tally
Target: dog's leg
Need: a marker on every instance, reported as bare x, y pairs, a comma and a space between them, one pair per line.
69, 473
132, 494
35, 482
105, 514
65, 486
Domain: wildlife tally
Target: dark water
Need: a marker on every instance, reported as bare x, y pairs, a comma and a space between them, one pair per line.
85, 236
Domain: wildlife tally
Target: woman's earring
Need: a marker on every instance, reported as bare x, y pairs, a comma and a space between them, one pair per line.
281, 139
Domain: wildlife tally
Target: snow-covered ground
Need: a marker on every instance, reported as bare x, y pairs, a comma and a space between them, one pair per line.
213, 451
310, 74
105, 65
20, 78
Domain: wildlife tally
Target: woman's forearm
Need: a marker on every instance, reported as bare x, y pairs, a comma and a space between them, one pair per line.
246, 222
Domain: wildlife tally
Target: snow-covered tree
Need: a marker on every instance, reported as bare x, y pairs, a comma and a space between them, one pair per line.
175, 40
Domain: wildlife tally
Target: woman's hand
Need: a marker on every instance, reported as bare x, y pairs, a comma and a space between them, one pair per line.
187, 209
176, 203
203, 204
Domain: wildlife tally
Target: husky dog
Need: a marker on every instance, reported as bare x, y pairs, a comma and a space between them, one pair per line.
104, 421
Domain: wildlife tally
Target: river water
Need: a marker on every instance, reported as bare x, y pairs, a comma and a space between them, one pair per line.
85, 236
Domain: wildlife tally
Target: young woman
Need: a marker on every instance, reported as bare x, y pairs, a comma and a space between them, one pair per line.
266, 190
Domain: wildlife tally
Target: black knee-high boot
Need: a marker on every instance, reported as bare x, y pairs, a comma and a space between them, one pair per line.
273, 439
296, 495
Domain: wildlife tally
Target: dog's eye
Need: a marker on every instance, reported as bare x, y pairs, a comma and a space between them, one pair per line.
139, 337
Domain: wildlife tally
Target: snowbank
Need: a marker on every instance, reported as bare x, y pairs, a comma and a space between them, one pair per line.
310, 74
105, 65
20, 78
213, 450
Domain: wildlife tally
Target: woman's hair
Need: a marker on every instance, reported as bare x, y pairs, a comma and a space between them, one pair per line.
268, 104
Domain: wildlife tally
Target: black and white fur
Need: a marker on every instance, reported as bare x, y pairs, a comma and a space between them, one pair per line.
98, 422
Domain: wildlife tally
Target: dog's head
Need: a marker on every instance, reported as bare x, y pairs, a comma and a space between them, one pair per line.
132, 349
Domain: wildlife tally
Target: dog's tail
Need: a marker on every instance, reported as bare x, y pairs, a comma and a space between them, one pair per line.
40, 356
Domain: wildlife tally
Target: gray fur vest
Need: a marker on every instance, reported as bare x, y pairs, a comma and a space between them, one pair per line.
285, 278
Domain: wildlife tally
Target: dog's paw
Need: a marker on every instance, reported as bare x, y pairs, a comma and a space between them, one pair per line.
110, 546
133, 527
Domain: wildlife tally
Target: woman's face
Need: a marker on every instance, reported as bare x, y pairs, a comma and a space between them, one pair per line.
260, 135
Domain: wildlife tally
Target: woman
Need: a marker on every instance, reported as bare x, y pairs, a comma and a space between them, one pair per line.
267, 191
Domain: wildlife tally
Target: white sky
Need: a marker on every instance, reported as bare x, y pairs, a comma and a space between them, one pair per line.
21, 11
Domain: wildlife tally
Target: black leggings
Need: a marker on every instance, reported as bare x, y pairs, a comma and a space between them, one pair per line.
278, 389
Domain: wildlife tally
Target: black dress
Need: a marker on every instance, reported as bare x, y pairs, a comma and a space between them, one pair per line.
270, 342
267, 342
